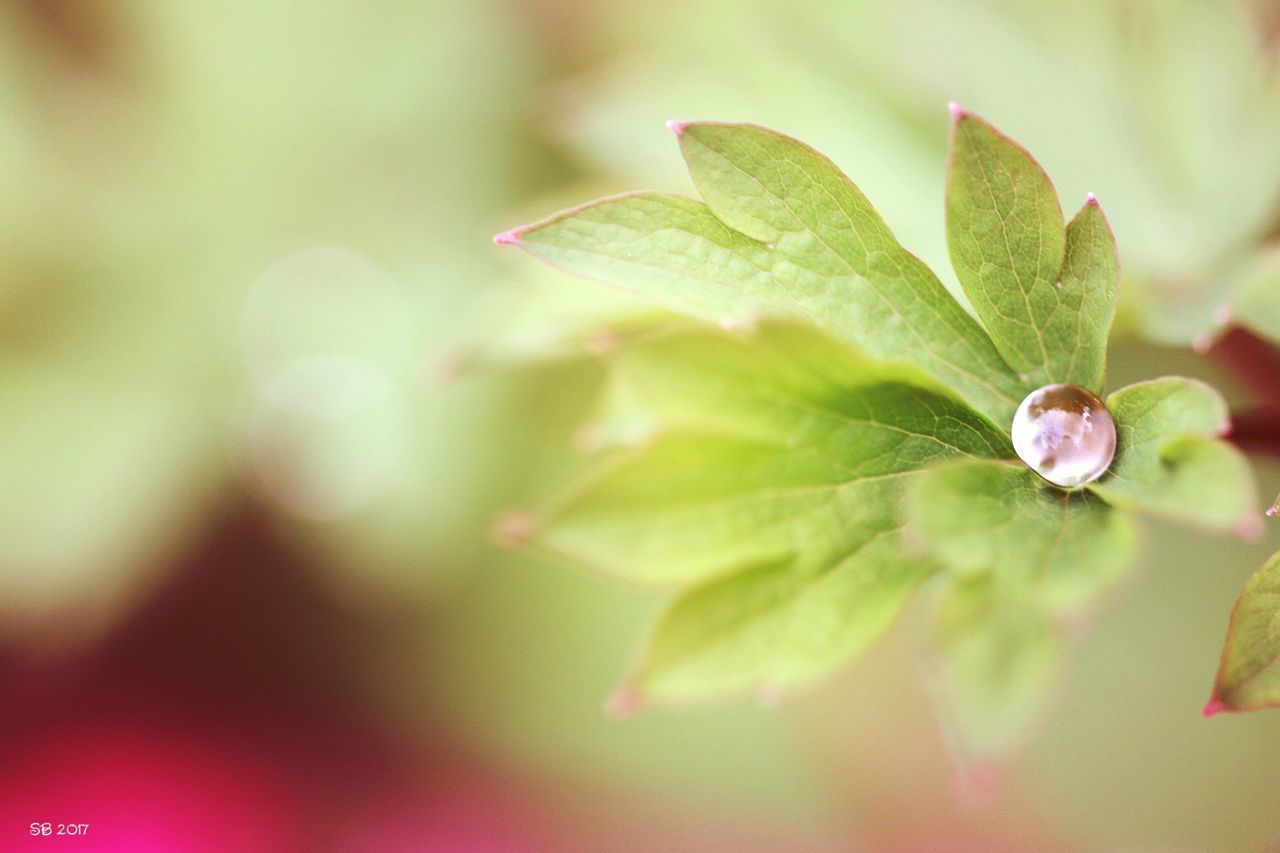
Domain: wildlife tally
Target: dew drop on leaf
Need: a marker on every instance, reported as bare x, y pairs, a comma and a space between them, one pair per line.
1065, 434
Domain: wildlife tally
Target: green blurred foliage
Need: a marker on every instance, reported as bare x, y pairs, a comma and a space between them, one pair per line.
1169, 112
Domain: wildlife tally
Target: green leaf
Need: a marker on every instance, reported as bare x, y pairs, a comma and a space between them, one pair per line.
1046, 292
1059, 549
1087, 289
998, 661
541, 317
776, 624
783, 231
1169, 461
770, 490
1248, 675
781, 441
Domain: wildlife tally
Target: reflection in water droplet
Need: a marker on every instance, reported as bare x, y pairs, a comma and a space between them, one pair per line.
1065, 434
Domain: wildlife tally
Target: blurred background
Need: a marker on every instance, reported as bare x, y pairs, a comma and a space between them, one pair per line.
264, 384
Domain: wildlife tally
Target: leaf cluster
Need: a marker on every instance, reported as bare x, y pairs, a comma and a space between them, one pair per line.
838, 434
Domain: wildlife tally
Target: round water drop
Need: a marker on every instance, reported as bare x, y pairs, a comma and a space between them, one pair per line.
1064, 434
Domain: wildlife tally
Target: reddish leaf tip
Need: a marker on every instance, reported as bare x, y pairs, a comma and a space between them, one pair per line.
978, 783
601, 341
1249, 527
1225, 428
1092, 199
957, 112
1273, 511
442, 367
1214, 706
513, 528
507, 238
622, 703
589, 438
677, 127
768, 695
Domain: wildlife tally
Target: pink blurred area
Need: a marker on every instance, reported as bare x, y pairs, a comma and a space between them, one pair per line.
226, 716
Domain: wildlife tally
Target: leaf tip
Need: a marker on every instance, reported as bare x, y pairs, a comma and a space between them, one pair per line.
1274, 509
1091, 200
601, 341
589, 438
513, 528
443, 367
1213, 706
745, 322
507, 238
622, 703
1225, 428
677, 127
768, 695
978, 783
957, 112
1249, 527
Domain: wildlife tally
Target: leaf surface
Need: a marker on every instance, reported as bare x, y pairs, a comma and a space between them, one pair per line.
1249, 673
1045, 291
754, 447
998, 660
770, 490
1059, 549
1169, 460
782, 231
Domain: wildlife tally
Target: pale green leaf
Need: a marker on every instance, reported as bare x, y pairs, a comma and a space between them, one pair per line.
1007, 241
776, 624
785, 232
783, 192
1248, 675
1087, 289
997, 665
1061, 549
1169, 460
1045, 291
781, 442
770, 488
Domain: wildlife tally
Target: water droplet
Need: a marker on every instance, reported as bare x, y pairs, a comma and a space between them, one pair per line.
1065, 434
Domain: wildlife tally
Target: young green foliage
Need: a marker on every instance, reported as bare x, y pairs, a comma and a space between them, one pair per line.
1062, 549
1045, 291
769, 490
1249, 674
797, 478
781, 230
997, 659
1169, 460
